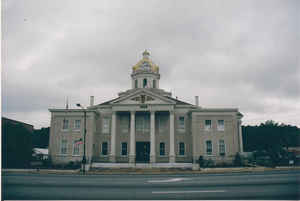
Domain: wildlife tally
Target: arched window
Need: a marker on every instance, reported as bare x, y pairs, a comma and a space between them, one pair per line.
154, 83
145, 83
136, 83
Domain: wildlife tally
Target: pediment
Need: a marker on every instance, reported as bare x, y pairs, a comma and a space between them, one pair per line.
143, 97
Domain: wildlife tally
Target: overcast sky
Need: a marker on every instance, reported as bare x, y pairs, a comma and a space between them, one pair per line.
242, 54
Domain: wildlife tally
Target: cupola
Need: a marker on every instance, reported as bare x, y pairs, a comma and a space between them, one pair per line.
145, 74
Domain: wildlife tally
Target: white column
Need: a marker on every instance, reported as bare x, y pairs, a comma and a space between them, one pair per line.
132, 137
152, 137
172, 139
113, 138
240, 136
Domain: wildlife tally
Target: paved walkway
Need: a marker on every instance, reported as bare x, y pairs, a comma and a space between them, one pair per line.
151, 171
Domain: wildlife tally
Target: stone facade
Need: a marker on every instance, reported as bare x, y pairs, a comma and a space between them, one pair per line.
145, 125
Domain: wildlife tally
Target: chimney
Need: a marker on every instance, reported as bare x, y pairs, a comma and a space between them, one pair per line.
197, 101
91, 100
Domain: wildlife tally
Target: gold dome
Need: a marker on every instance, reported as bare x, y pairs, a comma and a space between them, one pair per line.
145, 64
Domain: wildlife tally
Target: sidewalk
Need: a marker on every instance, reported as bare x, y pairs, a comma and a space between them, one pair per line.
182, 171
151, 171
46, 171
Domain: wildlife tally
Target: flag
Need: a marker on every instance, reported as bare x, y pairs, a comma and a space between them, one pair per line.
77, 142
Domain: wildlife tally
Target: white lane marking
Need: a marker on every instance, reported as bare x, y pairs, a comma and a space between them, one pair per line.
168, 192
168, 180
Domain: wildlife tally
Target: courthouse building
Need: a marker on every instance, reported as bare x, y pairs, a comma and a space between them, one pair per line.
145, 125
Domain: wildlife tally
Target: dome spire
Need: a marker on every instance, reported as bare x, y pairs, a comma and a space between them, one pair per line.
146, 54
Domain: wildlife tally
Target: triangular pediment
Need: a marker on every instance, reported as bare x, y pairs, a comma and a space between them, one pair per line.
143, 96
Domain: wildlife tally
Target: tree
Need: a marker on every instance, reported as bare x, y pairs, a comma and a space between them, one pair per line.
41, 137
271, 138
16, 146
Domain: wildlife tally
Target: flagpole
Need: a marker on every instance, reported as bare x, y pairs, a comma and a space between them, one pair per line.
84, 158
84, 136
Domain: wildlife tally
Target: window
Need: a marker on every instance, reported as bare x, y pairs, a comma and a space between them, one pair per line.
142, 123
220, 125
162, 148
65, 124
221, 147
154, 83
104, 148
124, 148
207, 125
63, 146
76, 148
181, 123
208, 147
162, 123
144, 83
124, 121
136, 83
181, 148
105, 125
143, 98
77, 124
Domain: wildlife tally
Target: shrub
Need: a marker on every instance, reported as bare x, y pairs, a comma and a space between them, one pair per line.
70, 165
201, 161
209, 163
237, 160
224, 164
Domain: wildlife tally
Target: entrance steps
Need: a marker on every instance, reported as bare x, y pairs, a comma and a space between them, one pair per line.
141, 165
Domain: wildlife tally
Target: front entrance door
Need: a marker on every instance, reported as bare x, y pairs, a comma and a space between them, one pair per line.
142, 152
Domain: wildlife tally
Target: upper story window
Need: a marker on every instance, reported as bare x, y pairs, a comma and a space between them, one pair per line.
145, 83
136, 83
142, 123
181, 123
124, 148
154, 83
143, 99
162, 148
208, 147
181, 148
222, 147
64, 146
162, 123
104, 148
65, 124
77, 124
124, 121
105, 125
220, 125
207, 125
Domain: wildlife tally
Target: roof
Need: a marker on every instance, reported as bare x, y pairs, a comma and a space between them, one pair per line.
107, 102
15, 121
178, 102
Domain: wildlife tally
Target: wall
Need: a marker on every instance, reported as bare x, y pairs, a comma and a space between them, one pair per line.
57, 133
229, 135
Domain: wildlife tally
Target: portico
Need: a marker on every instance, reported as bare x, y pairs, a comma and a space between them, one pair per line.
145, 134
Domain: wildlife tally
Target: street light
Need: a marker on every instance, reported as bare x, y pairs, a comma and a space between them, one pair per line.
84, 134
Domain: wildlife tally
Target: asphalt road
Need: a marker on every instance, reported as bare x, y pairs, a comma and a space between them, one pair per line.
262, 185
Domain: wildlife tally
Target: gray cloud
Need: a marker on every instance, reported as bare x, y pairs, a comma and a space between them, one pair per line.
232, 54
